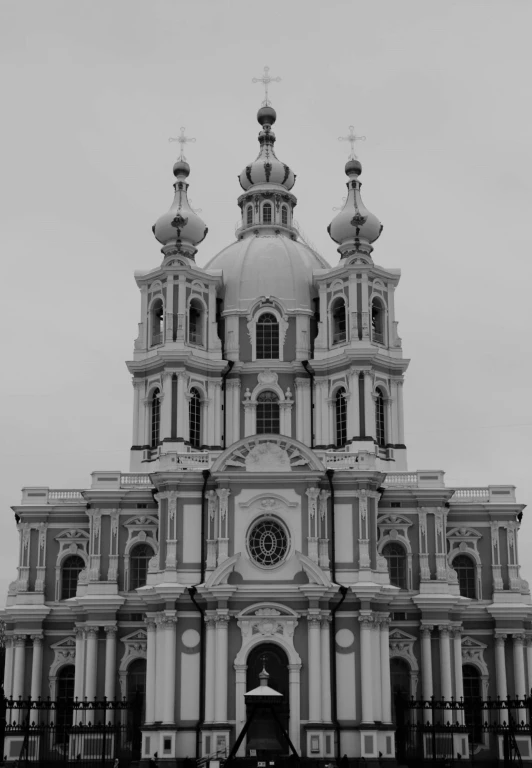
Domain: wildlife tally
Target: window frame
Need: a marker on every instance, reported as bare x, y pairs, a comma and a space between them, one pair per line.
261, 343
255, 314
70, 556
277, 401
332, 333
473, 574
340, 397
155, 397
203, 315
195, 396
380, 417
152, 342
249, 215
269, 206
395, 543
138, 544
380, 304
284, 216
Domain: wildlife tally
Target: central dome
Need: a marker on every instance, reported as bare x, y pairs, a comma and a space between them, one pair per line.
268, 265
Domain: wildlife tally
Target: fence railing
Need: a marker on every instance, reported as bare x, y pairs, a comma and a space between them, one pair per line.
53, 733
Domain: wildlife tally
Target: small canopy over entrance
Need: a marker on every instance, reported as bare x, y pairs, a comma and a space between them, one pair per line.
268, 664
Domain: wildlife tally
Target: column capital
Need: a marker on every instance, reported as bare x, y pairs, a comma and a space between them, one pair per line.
366, 621
385, 622
313, 619
444, 630
111, 630
37, 639
456, 632
426, 629
19, 640
210, 622
222, 619
500, 637
519, 637
151, 624
92, 631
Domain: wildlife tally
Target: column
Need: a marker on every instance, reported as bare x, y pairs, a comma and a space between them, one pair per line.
91, 663
366, 668
386, 682
528, 662
458, 672
376, 670
400, 413
519, 666
160, 669
220, 705
426, 661
8, 668
110, 662
500, 672
445, 662
79, 673
36, 667
325, 669
314, 659
170, 621
294, 679
369, 403
240, 704
210, 667
150, 669
18, 665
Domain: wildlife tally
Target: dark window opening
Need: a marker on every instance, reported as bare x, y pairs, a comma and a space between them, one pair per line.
72, 567
267, 337
472, 700
339, 322
249, 215
139, 560
157, 315
64, 702
467, 575
284, 215
194, 415
396, 558
195, 323
379, 418
268, 419
377, 322
266, 213
341, 417
155, 418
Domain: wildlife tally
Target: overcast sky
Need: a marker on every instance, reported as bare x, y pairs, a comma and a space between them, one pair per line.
92, 90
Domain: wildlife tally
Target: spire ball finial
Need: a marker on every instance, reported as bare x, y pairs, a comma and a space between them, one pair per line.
351, 139
266, 80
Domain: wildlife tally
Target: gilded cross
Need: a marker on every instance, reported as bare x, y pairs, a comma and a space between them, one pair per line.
351, 139
183, 140
266, 80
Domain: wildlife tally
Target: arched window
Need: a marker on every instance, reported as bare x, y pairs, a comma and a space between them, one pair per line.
266, 213
195, 323
377, 321
139, 559
155, 418
194, 418
64, 701
284, 215
249, 215
467, 575
396, 558
157, 314
339, 325
70, 570
267, 337
472, 698
268, 422
379, 418
340, 404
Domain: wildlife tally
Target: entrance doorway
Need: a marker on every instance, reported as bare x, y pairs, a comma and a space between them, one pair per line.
264, 737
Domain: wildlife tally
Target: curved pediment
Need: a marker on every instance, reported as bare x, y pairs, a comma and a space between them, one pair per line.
268, 453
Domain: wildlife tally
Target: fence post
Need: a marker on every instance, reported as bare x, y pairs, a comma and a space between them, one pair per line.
103, 731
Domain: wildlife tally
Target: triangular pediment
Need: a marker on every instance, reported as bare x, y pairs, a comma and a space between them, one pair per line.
141, 521
267, 453
138, 636
394, 521
66, 644
463, 533
398, 635
73, 534
471, 644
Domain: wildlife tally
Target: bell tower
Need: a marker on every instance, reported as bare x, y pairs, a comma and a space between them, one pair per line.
358, 361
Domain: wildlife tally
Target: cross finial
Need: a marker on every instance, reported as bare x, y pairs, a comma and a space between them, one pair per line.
266, 80
351, 139
183, 140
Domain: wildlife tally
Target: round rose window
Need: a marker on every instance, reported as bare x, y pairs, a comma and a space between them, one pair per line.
268, 543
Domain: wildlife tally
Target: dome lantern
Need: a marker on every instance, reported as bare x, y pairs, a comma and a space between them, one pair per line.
180, 230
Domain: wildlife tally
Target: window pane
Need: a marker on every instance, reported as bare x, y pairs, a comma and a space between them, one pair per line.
155, 418
284, 215
268, 422
379, 419
267, 337
339, 322
466, 570
249, 214
70, 571
472, 699
267, 214
396, 557
341, 417
194, 412
139, 560
195, 324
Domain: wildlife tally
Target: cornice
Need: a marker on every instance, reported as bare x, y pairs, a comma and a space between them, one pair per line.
390, 275
214, 277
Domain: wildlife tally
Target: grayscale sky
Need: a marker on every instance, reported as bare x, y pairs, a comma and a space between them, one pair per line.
92, 89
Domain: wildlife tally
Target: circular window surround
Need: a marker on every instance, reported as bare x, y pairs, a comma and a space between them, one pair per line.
277, 521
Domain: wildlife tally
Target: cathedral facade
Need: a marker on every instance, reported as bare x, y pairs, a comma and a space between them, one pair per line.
268, 518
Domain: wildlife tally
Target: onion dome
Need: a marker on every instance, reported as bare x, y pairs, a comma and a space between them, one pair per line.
267, 169
180, 230
354, 228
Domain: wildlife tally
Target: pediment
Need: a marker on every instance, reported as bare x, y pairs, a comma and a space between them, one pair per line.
470, 644
138, 636
67, 644
221, 574
394, 521
268, 609
316, 575
141, 521
399, 636
267, 453
73, 534
463, 533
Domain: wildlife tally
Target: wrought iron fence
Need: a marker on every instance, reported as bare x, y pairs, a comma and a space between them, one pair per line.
484, 732
59, 733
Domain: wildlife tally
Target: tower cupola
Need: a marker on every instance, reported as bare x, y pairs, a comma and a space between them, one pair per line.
354, 228
180, 230
267, 168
